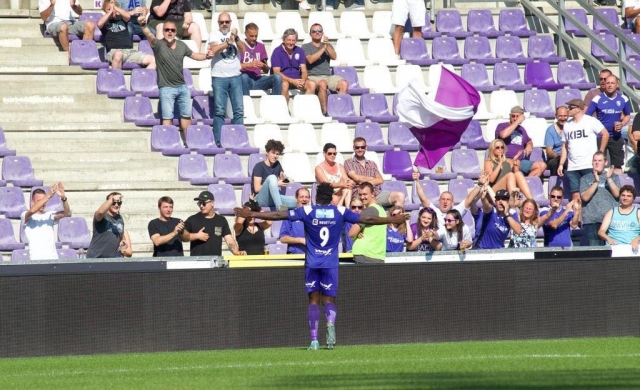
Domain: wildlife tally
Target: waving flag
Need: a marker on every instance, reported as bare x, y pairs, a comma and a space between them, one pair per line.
438, 118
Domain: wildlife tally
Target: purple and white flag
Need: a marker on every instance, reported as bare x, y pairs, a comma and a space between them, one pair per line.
437, 118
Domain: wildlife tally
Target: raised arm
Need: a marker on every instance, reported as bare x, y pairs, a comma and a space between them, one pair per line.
267, 216
66, 210
161, 10
104, 207
424, 201
142, 21
233, 246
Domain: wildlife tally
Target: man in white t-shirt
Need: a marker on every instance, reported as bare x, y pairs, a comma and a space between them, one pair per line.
579, 145
38, 223
630, 12
59, 21
226, 81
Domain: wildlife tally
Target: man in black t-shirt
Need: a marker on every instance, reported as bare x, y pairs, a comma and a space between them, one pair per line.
206, 230
268, 177
165, 232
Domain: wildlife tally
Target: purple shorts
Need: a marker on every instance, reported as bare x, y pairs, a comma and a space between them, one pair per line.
324, 280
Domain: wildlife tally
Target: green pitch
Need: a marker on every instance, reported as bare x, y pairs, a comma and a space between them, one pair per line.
603, 363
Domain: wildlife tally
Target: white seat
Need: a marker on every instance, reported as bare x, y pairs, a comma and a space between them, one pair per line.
234, 21
327, 21
354, 24
250, 117
373, 156
489, 132
297, 167
337, 134
261, 19
483, 113
290, 19
536, 128
502, 101
433, 82
320, 158
409, 73
204, 80
349, 52
302, 138
189, 63
274, 43
381, 24
381, 52
274, 109
378, 79
306, 108
264, 132
198, 19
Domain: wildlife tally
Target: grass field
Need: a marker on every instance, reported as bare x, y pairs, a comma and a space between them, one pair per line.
598, 363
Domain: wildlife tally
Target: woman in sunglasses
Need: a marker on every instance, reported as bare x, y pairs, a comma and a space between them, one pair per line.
455, 235
523, 232
357, 207
425, 232
398, 234
332, 172
504, 174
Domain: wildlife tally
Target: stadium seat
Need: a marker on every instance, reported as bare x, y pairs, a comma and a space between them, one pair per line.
507, 75
427, 29
302, 137
398, 164
54, 204
291, 188
562, 182
478, 49
20, 255
11, 202
409, 73
290, 19
85, 54
166, 139
8, 240
400, 186
189, 82
250, 117
327, 21
93, 16
481, 22
478, 76
264, 132
513, 22
145, 82
440, 171
18, 171
262, 20
306, 108
536, 129
372, 133
490, 128
564, 95
378, 79
501, 103
193, 168
137, 109
297, 167
67, 254
4, 150
255, 158
74, 232
509, 48
414, 51
349, 52
539, 75
353, 24
374, 107
225, 197
228, 168
381, 24
204, 80
200, 139
274, 109
189, 63
538, 155
201, 109
380, 51
445, 49
535, 186
543, 48
630, 52
631, 79
537, 102
111, 82
571, 28
277, 249
337, 134
459, 188
472, 137
465, 162
349, 74
483, 113
572, 74
610, 41
609, 14
340, 107
401, 137
632, 179
431, 190
235, 139
449, 23
145, 47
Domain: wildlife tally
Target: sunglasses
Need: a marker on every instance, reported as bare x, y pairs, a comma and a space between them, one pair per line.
447, 220
357, 207
571, 107
224, 21
332, 153
555, 196
203, 203
499, 147
603, 79
117, 203
316, 31
170, 30
360, 147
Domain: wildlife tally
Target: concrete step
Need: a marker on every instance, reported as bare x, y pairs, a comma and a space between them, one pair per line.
63, 116
115, 142
72, 172
33, 59
75, 127
91, 157
38, 104
43, 69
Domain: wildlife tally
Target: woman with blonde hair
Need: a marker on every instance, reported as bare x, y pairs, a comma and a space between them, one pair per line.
523, 232
504, 174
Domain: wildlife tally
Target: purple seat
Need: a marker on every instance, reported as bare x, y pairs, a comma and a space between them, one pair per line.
465, 162
472, 137
200, 138
609, 14
67, 254
401, 137
236, 139
145, 47
372, 132
538, 103
542, 48
145, 82
478, 76
535, 186
94, 16
111, 82
539, 75
398, 164
374, 107
414, 51
630, 52
188, 79
18, 171
225, 197
201, 109
562, 182
54, 204
254, 158
340, 107
20, 255
274, 233
445, 49
507, 75
277, 249
632, 179
611, 42
349, 74
246, 192
11, 202
538, 155
85, 54
291, 188
478, 49
228, 168
8, 240
400, 186
166, 139
427, 30
137, 109
509, 48
439, 172
193, 168
449, 23
4, 150
430, 188
572, 73
73, 231
571, 28
631, 79
481, 22
459, 188
564, 95
513, 22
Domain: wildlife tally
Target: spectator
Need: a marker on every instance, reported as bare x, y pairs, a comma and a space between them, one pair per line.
135, 8
172, 88
108, 228
357, 5
401, 10
268, 177
492, 226
206, 229
504, 174
553, 140
425, 232
621, 225
226, 81
288, 61
357, 207
292, 232
249, 232
254, 64
166, 231
329, 171
634, 134
598, 192
59, 21
557, 228
519, 145
398, 233
125, 249
361, 170
613, 111
178, 12
455, 235
113, 25
319, 53
580, 143
630, 12
38, 223
369, 243
604, 73
524, 231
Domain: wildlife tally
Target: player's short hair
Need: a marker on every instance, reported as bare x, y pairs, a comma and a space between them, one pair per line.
273, 145
557, 188
107, 2
301, 189
252, 27
629, 188
164, 199
114, 193
37, 191
599, 153
324, 194
313, 25
328, 146
359, 139
368, 185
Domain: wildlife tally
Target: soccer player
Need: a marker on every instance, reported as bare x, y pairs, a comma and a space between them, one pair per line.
323, 225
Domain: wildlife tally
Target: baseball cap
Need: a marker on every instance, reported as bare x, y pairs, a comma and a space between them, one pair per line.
517, 110
204, 195
575, 102
502, 194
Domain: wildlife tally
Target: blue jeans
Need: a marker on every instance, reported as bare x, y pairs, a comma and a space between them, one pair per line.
223, 88
273, 82
168, 98
590, 235
134, 28
269, 195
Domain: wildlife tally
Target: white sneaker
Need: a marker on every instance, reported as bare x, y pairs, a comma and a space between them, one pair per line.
356, 7
328, 8
304, 5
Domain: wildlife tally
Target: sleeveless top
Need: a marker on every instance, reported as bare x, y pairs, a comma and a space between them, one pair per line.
624, 227
504, 169
333, 178
252, 243
526, 238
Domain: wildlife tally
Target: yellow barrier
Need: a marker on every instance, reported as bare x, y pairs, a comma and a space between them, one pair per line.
272, 260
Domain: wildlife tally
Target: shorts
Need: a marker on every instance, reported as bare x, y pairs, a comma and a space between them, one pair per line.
179, 31
128, 55
332, 81
401, 10
525, 166
324, 280
169, 96
75, 28
575, 176
383, 198
615, 148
